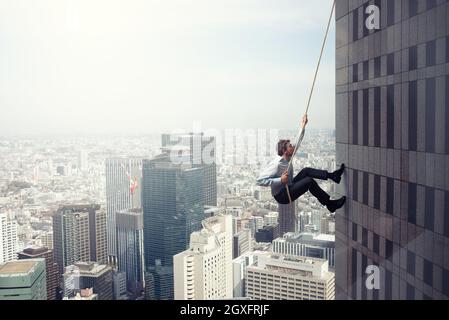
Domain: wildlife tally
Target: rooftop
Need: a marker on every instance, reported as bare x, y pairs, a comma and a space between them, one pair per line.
17, 267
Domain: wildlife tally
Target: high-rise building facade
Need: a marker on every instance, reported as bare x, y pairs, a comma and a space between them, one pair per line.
392, 132
8, 239
88, 275
123, 191
200, 151
51, 268
278, 277
130, 251
320, 246
242, 243
23, 280
204, 271
79, 235
287, 218
173, 208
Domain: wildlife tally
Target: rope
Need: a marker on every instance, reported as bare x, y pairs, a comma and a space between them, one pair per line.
303, 129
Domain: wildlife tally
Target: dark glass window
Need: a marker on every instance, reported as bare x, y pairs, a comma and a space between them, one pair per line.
377, 116
412, 203
355, 185
446, 216
365, 29
365, 117
377, 66
410, 292
390, 12
447, 114
429, 218
355, 72
365, 237
377, 192
355, 117
390, 117
431, 54
354, 274
413, 8
447, 49
428, 272
364, 266
390, 64
446, 282
376, 243
413, 58
355, 25
431, 4
412, 115
430, 115
365, 70
354, 232
389, 250
388, 285
411, 258
390, 196
365, 187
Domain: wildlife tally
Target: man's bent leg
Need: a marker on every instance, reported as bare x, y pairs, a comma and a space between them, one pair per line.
311, 173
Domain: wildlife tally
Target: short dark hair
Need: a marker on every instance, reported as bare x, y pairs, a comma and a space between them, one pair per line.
282, 147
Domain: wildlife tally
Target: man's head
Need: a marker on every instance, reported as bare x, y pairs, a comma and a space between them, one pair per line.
285, 148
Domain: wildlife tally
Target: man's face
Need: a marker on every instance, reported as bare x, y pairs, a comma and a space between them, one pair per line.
290, 150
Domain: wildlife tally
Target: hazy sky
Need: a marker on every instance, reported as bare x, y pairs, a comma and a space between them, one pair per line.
142, 66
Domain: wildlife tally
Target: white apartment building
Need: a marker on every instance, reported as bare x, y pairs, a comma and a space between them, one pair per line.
279, 277
204, 271
8, 239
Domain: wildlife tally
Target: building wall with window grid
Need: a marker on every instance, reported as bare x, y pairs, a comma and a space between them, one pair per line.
392, 120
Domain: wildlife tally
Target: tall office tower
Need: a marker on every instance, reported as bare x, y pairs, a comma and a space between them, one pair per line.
79, 235
83, 161
130, 248
392, 133
8, 239
86, 275
278, 277
123, 191
255, 223
270, 218
23, 280
173, 208
204, 271
287, 218
119, 285
242, 243
51, 268
200, 151
317, 216
267, 234
46, 239
308, 245
239, 266
149, 286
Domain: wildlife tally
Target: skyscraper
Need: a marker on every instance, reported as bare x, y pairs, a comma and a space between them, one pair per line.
200, 151
79, 235
392, 133
204, 271
173, 208
287, 218
242, 242
8, 239
123, 191
130, 248
51, 268
23, 280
